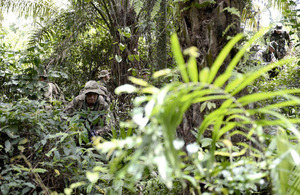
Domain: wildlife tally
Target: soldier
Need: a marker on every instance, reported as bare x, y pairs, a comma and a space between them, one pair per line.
104, 77
91, 99
52, 91
269, 56
144, 74
271, 53
281, 37
255, 55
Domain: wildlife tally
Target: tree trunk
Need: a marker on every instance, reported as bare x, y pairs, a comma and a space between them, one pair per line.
206, 28
126, 19
161, 59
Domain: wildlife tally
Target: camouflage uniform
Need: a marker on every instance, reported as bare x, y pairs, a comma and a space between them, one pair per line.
270, 57
104, 77
281, 37
267, 55
51, 90
79, 104
103, 84
54, 92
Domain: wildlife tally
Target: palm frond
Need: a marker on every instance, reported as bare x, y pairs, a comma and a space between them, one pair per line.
38, 8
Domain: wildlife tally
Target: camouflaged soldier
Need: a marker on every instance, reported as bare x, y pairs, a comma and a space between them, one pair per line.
51, 91
103, 78
281, 37
91, 99
270, 56
271, 53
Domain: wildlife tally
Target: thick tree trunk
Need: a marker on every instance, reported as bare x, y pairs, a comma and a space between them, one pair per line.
126, 18
161, 59
206, 28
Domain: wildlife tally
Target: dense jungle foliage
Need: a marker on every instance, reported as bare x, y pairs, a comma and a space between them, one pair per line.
245, 133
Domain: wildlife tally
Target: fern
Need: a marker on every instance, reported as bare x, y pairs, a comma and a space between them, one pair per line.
233, 11
155, 9
137, 5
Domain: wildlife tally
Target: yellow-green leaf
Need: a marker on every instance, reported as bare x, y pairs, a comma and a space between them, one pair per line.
92, 176
175, 47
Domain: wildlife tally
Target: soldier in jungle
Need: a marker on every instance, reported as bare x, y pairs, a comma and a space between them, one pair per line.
144, 74
282, 38
103, 78
51, 90
270, 55
91, 100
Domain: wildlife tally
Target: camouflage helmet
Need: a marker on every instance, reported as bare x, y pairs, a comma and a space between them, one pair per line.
274, 45
103, 73
43, 74
278, 27
93, 87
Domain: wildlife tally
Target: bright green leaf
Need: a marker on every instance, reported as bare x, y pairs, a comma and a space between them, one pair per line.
125, 88
92, 176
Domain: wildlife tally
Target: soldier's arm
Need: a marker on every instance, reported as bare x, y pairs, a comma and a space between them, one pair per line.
48, 93
105, 129
72, 107
288, 38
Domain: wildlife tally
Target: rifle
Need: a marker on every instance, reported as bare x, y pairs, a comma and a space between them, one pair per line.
91, 131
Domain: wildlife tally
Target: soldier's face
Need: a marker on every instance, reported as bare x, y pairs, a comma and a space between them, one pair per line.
106, 78
278, 31
91, 98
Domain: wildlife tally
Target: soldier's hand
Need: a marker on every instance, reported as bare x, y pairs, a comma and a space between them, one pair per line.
103, 131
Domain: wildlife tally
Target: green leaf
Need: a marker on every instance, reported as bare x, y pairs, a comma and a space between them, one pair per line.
137, 57
68, 191
118, 58
205, 142
92, 176
7, 146
137, 81
203, 106
232, 10
77, 184
175, 47
192, 69
227, 74
125, 88
222, 56
39, 170
161, 73
89, 188
122, 46
131, 57
203, 75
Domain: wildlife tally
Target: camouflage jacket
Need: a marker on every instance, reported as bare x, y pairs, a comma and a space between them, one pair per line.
79, 104
103, 87
268, 56
53, 92
281, 39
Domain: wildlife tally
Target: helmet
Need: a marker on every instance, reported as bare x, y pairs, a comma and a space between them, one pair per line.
103, 73
274, 45
93, 87
43, 74
278, 27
